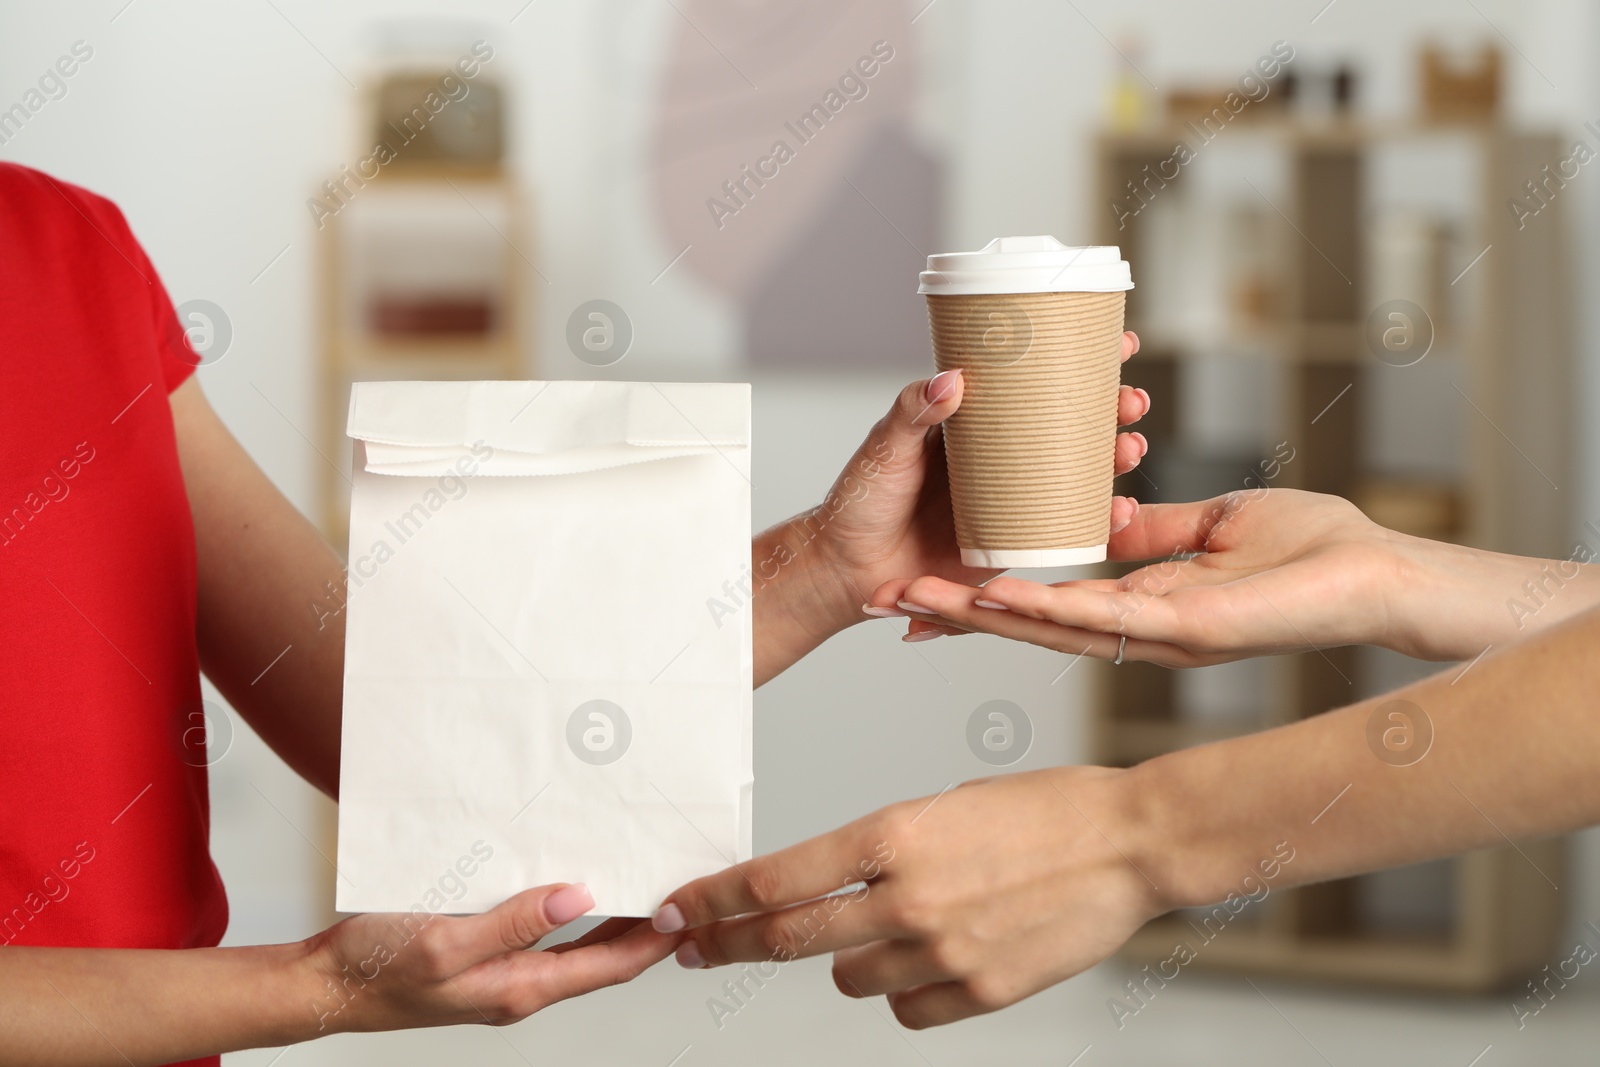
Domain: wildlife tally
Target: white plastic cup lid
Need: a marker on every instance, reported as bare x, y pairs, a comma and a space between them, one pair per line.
1028, 265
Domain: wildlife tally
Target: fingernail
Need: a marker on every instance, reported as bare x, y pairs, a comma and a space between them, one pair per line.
1146, 396
668, 919
1133, 509
689, 956
940, 386
993, 605
567, 904
1144, 445
906, 605
882, 613
921, 635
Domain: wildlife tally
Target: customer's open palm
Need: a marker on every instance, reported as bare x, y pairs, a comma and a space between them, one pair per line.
1249, 573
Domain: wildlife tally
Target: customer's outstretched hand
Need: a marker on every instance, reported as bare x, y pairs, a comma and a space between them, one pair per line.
1256, 572
1263, 571
963, 903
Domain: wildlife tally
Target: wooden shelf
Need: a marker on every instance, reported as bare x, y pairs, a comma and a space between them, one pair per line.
1419, 963
379, 354
424, 171
1335, 133
1129, 741
1330, 342
1308, 342
1423, 509
349, 356
1514, 351
1485, 951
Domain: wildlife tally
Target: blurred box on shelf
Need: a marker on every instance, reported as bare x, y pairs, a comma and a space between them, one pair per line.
468, 131
430, 315
1458, 87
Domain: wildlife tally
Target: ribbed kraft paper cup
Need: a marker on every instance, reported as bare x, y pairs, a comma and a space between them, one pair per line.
1032, 449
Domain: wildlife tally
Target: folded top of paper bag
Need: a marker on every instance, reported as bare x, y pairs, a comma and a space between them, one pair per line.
523, 428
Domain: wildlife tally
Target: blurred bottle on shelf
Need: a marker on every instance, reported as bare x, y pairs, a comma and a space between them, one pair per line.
1344, 89
1129, 103
1321, 94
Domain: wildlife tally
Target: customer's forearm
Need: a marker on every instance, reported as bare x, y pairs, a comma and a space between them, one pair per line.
61, 1006
1514, 751
1457, 601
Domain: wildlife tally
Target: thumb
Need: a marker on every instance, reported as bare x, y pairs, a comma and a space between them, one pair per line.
920, 405
939, 398
516, 924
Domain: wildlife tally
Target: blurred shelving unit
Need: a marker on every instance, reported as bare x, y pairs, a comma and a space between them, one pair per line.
1339, 219
423, 265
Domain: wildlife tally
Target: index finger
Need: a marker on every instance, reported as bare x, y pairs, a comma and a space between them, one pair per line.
798, 873
558, 976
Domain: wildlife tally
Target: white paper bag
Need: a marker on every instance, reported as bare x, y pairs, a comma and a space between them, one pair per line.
542, 682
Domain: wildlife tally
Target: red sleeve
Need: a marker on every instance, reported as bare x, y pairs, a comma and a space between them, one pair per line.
177, 356
170, 347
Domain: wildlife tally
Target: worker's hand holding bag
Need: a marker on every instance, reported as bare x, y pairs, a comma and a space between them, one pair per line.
535, 690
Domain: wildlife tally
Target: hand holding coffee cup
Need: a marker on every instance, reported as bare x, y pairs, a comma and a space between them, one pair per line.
1036, 328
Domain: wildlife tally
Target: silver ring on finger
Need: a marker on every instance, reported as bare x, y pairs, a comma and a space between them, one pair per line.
1122, 648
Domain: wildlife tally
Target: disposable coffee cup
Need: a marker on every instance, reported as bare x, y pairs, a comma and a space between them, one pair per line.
1036, 328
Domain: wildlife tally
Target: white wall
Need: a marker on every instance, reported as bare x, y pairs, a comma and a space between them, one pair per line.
211, 124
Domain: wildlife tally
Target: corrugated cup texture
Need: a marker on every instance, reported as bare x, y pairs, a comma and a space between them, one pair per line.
1032, 449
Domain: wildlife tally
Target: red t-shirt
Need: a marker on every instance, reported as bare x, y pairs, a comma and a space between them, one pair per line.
104, 838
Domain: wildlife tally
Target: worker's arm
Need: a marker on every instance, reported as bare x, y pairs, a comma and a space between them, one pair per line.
270, 626
90, 1006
